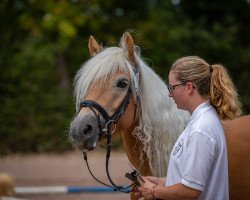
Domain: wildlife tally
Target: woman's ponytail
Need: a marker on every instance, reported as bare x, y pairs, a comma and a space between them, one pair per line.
223, 94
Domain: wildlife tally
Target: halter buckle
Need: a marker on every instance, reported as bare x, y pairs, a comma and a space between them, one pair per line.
108, 124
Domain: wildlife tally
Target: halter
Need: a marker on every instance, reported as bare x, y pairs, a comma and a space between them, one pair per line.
113, 119
109, 119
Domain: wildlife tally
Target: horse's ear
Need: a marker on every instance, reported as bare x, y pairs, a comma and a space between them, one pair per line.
127, 44
93, 46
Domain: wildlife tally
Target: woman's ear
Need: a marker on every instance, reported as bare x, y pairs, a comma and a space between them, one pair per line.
190, 87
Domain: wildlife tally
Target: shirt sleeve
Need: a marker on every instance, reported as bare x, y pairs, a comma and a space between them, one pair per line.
198, 159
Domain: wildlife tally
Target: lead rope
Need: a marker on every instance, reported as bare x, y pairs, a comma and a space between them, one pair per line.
85, 153
117, 188
86, 159
114, 187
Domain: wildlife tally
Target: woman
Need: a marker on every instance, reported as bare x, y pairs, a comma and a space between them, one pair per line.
198, 167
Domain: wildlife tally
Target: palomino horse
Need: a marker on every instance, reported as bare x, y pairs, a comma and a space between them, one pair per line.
149, 121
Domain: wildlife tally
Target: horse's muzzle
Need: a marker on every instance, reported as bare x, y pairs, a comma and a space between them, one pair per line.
84, 132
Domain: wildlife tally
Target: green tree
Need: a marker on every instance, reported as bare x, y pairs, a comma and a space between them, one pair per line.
43, 44
214, 30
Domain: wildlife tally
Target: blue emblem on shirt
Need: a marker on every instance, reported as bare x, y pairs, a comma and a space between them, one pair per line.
178, 148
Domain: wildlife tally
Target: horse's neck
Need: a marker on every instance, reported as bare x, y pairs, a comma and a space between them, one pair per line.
133, 150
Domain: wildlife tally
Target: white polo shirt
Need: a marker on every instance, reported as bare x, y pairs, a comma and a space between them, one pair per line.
199, 157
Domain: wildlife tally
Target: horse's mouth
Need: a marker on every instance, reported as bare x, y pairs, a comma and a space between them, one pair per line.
84, 147
89, 149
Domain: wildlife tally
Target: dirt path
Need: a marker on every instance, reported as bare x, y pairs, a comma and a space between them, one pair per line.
67, 169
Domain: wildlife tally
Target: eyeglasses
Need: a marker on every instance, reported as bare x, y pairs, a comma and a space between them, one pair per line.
172, 87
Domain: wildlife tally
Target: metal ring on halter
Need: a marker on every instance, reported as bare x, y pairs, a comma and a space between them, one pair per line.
105, 130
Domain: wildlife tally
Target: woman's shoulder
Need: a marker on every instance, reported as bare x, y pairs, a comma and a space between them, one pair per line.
207, 123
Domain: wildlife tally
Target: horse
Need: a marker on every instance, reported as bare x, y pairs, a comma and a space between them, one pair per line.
150, 122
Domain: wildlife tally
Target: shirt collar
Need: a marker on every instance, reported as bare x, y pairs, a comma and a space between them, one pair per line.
200, 109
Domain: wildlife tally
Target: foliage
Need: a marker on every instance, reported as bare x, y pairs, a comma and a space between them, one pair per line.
43, 44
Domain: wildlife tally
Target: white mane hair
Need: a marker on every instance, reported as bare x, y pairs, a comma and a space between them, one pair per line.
160, 122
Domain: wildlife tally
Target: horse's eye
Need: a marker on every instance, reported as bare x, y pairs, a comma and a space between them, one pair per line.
122, 84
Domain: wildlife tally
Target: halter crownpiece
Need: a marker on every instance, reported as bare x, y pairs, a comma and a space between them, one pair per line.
136, 81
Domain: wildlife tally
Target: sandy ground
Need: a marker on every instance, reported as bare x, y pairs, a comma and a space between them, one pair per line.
67, 169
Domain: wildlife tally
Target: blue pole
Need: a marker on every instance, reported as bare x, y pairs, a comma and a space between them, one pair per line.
78, 189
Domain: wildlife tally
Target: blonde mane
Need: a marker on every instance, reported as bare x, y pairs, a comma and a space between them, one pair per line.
160, 122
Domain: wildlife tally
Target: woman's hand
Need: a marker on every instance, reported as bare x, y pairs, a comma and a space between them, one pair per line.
157, 181
146, 187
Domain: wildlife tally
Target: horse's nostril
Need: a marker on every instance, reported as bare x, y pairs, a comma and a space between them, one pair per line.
87, 130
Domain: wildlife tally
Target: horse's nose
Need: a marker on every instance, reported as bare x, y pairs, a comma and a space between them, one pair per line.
87, 131
84, 132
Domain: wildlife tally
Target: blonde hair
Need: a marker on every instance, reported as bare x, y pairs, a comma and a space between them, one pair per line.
212, 81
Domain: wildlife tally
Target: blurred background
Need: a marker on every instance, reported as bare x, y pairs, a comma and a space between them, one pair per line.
44, 43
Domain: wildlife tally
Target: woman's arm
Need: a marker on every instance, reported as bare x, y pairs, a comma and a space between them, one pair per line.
175, 192
156, 180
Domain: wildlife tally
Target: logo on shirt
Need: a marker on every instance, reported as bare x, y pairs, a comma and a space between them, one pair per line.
178, 148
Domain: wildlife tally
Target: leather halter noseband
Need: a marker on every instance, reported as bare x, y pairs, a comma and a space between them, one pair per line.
117, 114
109, 121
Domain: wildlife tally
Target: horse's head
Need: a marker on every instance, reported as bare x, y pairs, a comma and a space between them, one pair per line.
105, 88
